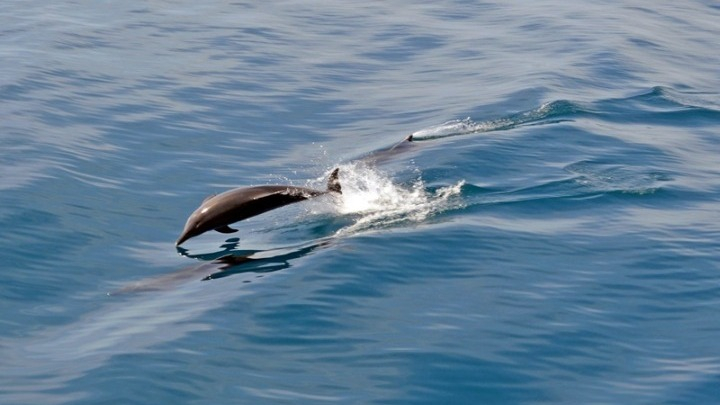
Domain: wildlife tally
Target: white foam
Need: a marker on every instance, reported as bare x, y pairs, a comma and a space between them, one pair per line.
374, 201
457, 127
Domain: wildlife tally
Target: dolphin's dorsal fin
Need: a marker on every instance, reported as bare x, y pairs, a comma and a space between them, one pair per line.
225, 229
333, 182
209, 197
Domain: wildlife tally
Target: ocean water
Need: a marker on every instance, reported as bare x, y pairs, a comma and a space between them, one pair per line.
550, 235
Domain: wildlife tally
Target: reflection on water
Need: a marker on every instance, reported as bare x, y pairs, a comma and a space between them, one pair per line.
170, 306
226, 262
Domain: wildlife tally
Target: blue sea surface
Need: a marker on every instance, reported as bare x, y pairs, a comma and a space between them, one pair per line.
551, 234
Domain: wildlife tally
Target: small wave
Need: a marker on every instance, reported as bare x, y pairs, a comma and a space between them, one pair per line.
696, 100
548, 113
610, 178
658, 99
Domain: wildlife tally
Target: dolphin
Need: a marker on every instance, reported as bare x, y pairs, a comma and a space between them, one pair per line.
384, 155
218, 211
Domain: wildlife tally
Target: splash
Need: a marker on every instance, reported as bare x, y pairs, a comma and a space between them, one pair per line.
373, 201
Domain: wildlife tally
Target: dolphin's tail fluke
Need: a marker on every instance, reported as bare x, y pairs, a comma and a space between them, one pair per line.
333, 183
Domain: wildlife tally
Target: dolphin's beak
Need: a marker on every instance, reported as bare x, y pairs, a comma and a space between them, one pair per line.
185, 236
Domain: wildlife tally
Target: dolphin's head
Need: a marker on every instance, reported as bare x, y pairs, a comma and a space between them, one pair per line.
192, 228
198, 223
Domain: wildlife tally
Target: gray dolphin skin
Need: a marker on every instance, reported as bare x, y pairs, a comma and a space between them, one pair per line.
384, 155
219, 211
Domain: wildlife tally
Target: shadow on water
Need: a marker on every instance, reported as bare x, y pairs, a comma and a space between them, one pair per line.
137, 317
226, 262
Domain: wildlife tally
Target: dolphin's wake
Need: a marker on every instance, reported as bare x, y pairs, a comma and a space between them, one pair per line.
376, 201
548, 113
372, 199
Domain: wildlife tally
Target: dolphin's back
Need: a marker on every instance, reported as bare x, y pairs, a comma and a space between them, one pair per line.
242, 203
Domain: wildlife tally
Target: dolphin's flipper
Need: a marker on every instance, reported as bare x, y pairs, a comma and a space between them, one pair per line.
225, 229
333, 182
